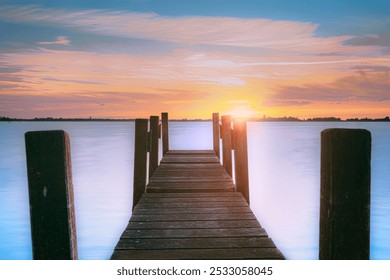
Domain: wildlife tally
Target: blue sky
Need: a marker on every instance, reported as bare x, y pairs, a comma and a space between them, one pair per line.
268, 57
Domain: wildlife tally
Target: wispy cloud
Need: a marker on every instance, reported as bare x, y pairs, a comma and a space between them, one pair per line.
228, 31
360, 86
61, 40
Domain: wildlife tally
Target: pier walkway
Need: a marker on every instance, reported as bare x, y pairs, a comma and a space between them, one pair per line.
191, 211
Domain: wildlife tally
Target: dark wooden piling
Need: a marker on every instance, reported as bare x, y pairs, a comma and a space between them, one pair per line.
345, 194
241, 158
153, 155
216, 134
165, 134
140, 159
52, 215
227, 144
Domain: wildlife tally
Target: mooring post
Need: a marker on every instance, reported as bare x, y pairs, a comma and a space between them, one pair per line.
241, 158
227, 143
153, 155
140, 159
165, 138
345, 194
52, 214
216, 134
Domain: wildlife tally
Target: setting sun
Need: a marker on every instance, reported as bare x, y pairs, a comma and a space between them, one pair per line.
241, 112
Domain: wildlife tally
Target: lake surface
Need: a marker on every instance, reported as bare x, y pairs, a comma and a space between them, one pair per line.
284, 165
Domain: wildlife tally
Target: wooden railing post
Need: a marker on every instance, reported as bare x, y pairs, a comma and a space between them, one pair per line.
241, 158
226, 144
345, 194
153, 155
164, 128
140, 159
216, 134
52, 214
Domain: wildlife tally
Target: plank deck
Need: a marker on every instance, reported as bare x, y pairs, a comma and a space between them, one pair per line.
191, 211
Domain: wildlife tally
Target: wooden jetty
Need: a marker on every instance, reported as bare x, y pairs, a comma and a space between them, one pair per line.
190, 208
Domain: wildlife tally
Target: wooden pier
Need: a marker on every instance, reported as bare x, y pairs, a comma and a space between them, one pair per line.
187, 206
190, 209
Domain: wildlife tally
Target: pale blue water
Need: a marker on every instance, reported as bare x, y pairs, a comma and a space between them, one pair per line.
284, 182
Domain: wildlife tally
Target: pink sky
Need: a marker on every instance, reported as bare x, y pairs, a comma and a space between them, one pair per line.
212, 64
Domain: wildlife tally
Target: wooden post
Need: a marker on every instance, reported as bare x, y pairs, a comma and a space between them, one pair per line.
140, 159
216, 134
153, 156
241, 158
52, 215
165, 138
345, 194
226, 144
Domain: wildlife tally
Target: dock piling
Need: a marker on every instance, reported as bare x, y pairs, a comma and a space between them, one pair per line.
345, 194
165, 134
216, 134
140, 159
52, 215
241, 158
227, 144
153, 155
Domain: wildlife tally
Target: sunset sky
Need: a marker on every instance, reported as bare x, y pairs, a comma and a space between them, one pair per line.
135, 58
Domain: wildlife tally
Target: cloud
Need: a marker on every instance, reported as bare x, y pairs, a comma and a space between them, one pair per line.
371, 68
223, 31
61, 40
362, 85
369, 40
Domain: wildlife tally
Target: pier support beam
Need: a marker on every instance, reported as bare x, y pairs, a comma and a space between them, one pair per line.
153, 155
140, 159
216, 134
52, 215
165, 134
227, 144
345, 194
241, 158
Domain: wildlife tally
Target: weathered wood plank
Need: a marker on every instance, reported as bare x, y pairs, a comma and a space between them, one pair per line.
217, 194
190, 152
193, 199
191, 173
191, 166
190, 155
192, 243
190, 160
193, 204
220, 210
190, 190
193, 217
208, 254
196, 233
189, 179
159, 186
194, 224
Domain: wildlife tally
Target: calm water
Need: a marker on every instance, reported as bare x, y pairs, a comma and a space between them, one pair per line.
284, 182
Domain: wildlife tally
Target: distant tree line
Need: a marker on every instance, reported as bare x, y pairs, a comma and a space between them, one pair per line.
263, 119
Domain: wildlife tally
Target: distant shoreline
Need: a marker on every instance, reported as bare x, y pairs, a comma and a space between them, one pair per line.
264, 119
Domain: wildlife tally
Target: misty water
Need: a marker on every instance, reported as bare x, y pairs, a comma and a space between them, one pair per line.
284, 164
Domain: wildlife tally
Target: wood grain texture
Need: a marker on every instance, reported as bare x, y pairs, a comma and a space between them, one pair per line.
191, 211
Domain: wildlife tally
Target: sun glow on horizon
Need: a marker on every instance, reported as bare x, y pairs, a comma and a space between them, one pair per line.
241, 112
